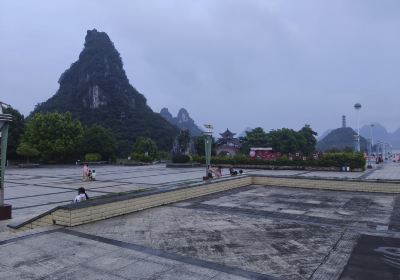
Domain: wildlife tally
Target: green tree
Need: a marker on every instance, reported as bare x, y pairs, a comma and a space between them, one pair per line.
145, 146
308, 141
25, 150
255, 138
98, 139
183, 140
123, 148
56, 136
285, 140
199, 145
15, 131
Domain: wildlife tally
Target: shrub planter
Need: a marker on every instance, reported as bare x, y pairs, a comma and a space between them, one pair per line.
28, 165
280, 167
191, 164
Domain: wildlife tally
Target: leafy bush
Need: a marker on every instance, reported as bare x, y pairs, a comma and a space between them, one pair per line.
97, 139
92, 157
180, 158
353, 160
57, 136
24, 149
141, 157
146, 147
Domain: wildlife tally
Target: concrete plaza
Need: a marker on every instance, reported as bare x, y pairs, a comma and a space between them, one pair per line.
253, 232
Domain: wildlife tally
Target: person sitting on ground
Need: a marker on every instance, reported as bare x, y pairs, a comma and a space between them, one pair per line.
232, 171
81, 195
93, 175
217, 171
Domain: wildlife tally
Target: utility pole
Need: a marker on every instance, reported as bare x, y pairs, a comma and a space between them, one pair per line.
5, 209
357, 106
207, 143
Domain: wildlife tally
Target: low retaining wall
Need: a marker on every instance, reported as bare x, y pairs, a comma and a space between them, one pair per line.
329, 184
182, 165
103, 208
280, 167
99, 209
277, 167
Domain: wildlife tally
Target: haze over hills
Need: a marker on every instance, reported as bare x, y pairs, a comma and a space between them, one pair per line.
96, 90
379, 133
182, 120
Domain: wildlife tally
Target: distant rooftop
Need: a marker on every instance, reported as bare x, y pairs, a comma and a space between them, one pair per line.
227, 134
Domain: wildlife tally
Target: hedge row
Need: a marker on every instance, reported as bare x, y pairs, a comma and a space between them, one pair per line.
353, 160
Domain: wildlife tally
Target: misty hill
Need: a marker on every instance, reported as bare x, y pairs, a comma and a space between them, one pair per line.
395, 139
340, 138
379, 132
96, 90
325, 133
182, 120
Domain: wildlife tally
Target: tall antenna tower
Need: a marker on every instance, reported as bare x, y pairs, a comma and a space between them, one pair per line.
343, 121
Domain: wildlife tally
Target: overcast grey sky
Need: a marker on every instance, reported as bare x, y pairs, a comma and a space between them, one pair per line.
234, 64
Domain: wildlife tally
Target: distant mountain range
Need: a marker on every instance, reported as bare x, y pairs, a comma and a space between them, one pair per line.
182, 121
379, 133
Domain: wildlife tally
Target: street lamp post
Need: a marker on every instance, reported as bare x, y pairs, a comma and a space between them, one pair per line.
371, 145
372, 136
357, 106
207, 145
5, 209
369, 154
386, 151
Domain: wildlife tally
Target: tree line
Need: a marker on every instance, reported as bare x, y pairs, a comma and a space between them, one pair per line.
284, 140
58, 137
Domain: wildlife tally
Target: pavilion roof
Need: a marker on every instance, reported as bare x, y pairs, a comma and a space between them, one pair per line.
227, 134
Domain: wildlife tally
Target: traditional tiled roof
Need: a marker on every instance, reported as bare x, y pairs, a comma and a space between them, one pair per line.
227, 134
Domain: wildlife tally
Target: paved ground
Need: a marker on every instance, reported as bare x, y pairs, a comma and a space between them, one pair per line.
33, 191
254, 232
36, 190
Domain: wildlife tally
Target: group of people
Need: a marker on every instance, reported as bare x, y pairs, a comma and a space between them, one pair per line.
216, 172
233, 172
88, 174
